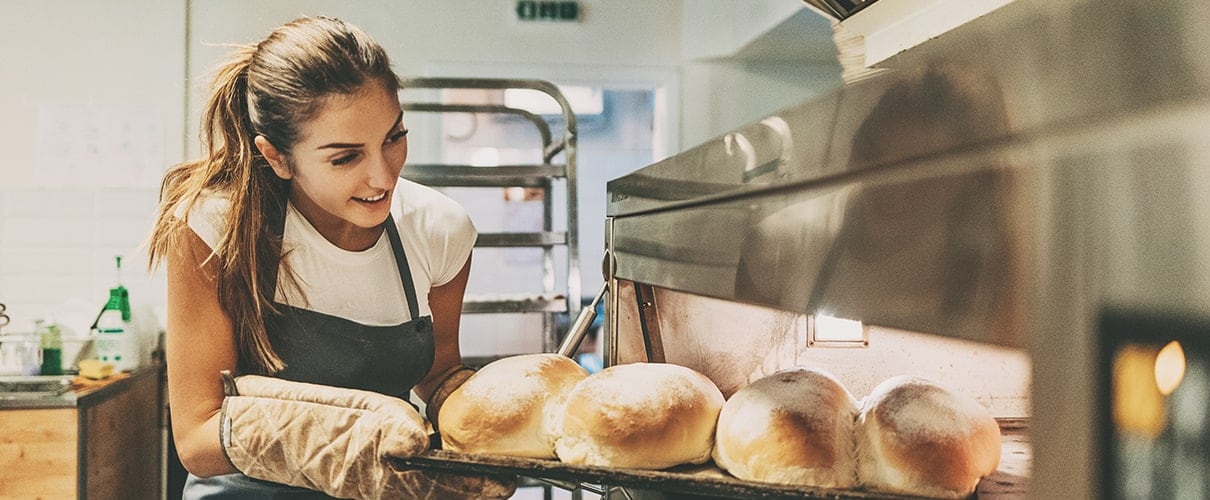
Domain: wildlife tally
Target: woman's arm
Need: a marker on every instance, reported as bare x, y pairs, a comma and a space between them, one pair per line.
445, 301
200, 343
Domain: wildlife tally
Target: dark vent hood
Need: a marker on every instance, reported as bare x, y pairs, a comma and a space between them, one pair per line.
839, 9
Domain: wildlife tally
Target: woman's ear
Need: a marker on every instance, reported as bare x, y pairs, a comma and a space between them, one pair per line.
274, 157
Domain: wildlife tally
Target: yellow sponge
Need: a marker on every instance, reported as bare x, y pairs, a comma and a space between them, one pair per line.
95, 369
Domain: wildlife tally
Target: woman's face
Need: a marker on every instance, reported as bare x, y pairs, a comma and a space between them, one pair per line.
344, 169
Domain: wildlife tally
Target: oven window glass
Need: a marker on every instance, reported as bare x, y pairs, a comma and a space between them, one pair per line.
1156, 410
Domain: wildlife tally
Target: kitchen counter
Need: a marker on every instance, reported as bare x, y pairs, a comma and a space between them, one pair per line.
83, 391
100, 440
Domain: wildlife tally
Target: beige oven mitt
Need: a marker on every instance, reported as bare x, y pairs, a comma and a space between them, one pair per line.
335, 440
452, 382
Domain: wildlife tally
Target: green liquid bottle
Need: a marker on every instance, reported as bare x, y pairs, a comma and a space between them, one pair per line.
115, 342
52, 347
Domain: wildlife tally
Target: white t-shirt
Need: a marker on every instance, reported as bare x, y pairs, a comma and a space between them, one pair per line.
364, 286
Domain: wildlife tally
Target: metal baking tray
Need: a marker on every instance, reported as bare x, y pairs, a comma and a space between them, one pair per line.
707, 479
704, 479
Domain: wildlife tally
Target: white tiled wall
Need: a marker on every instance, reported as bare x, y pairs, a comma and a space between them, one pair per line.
57, 249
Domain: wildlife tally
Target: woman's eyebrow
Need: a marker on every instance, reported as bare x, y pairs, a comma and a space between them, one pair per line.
348, 145
341, 145
398, 120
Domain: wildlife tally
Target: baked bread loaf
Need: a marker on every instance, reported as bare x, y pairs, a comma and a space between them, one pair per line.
915, 437
794, 426
640, 415
506, 407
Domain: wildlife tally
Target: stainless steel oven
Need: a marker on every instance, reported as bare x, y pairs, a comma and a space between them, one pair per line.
979, 208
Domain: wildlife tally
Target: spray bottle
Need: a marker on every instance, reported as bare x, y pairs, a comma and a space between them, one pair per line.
115, 337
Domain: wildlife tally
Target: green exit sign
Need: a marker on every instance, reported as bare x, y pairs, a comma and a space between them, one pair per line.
538, 10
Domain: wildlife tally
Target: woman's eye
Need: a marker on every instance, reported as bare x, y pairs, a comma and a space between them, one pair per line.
344, 159
397, 136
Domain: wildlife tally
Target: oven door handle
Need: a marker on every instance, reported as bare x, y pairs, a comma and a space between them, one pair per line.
579, 329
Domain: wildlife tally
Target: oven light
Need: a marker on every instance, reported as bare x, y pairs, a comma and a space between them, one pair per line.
1138, 406
833, 329
1169, 367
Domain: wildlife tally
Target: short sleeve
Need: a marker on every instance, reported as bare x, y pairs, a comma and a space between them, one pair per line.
208, 217
438, 227
459, 241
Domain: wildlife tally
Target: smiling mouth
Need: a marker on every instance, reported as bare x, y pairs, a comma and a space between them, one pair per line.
381, 196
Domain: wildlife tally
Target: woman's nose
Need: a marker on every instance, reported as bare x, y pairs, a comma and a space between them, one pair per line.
382, 174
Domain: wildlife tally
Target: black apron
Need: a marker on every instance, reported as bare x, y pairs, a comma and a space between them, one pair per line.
323, 349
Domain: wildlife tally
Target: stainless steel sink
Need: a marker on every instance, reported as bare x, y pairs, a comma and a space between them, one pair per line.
34, 386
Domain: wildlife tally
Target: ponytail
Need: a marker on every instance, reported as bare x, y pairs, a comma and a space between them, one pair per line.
250, 253
227, 131
246, 252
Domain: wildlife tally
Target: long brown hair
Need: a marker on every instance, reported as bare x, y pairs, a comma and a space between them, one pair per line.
267, 89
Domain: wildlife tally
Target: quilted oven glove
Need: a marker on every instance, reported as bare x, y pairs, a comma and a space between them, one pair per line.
334, 440
447, 387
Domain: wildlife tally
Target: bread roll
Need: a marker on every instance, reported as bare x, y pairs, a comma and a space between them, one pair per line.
915, 437
640, 415
506, 407
792, 427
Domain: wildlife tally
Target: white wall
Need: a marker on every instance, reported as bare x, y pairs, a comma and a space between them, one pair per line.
721, 87
421, 35
91, 106
717, 29
97, 98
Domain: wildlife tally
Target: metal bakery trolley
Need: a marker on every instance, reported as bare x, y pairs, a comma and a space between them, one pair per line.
557, 151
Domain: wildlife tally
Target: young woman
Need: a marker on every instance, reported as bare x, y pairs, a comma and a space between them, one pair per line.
299, 260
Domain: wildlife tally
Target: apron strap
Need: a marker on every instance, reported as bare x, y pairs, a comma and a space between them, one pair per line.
405, 272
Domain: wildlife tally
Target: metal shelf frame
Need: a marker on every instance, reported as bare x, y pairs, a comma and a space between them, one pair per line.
553, 301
